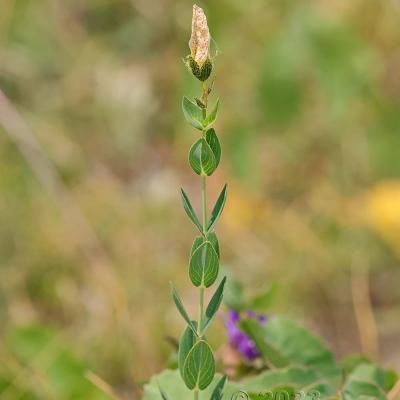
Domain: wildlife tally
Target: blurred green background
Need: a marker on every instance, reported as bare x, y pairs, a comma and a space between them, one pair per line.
93, 150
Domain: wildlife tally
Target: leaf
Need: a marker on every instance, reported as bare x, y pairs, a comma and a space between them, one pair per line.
201, 158
272, 356
217, 392
213, 142
213, 307
301, 347
282, 342
189, 211
212, 238
217, 210
175, 388
186, 343
292, 376
199, 367
204, 264
362, 390
193, 114
211, 117
181, 309
163, 395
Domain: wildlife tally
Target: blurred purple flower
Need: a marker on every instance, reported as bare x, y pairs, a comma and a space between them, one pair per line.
238, 339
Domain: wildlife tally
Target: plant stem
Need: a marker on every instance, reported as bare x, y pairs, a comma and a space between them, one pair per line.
204, 205
204, 215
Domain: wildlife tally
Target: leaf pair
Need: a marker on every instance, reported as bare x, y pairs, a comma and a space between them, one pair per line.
210, 313
215, 214
205, 154
204, 261
196, 360
194, 114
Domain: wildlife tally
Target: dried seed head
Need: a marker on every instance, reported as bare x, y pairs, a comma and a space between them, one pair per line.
199, 42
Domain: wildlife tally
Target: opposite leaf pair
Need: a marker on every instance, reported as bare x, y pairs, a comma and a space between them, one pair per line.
215, 214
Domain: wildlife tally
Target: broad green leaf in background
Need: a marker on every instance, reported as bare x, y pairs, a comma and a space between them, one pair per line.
163, 395
189, 211
201, 158
301, 347
211, 117
186, 343
199, 366
213, 142
181, 309
218, 390
213, 307
192, 113
204, 264
357, 390
217, 210
271, 355
175, 389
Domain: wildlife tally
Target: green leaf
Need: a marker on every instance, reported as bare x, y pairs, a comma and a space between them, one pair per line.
211, 117
271, 355
204, 263
217, 392
192, 113
199, 367
201, 158
212, 238
189, 211
300, 346
362, 390
213, 307
181, 309
163, 395
175, 388
217, 210
282, 342
292, 376
186, 343
213, 142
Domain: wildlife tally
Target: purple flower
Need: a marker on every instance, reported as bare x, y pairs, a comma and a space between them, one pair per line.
238, 339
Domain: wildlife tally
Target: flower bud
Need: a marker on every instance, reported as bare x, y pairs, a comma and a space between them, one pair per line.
199, 42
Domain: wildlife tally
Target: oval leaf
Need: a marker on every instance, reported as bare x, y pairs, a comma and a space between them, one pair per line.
210, 119
217, 210
201, 158
189, 211
213, 142
212, 238
193, 114
204, 264
199, 366
186, 343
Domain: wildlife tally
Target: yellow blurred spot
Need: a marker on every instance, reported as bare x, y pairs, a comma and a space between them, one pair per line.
383, 212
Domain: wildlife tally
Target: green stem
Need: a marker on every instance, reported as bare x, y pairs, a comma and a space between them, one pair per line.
204, 204
204, 218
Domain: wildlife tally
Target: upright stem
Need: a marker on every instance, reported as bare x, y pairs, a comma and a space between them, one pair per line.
204, 204
204, 220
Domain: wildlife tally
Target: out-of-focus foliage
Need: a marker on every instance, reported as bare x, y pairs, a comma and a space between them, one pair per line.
310, 131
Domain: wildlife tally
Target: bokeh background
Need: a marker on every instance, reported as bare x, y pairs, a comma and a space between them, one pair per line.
93, 150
